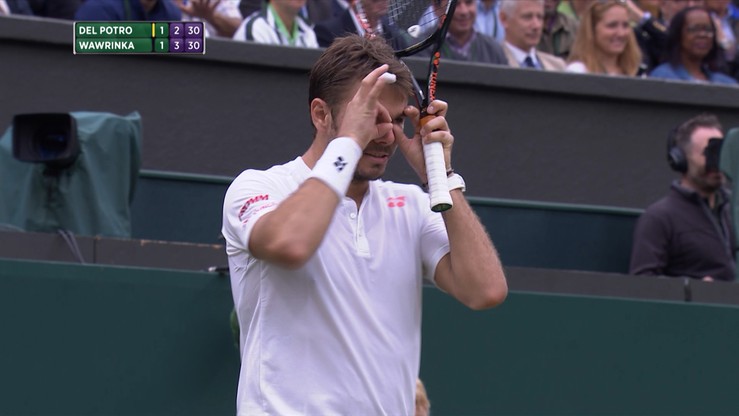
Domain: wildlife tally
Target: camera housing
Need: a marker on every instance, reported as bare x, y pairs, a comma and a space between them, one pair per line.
713, 154
49, 138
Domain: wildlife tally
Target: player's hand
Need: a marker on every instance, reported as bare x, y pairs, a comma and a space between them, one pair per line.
364, 118
202, 9
435, 130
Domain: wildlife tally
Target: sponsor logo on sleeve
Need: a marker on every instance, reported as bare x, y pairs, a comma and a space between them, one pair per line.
250, 202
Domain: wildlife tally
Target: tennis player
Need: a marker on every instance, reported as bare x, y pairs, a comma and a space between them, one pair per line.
327, 260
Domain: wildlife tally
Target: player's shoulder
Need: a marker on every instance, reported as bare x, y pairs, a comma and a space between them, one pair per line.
284, 174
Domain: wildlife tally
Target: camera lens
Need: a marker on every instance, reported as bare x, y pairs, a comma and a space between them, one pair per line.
50, 145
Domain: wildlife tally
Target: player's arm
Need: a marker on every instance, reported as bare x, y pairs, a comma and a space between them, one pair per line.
291, 234
471, 271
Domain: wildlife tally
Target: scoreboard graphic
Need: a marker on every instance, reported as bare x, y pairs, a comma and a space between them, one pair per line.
139, 37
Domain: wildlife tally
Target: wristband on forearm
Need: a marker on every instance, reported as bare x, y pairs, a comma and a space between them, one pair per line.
336, 166
454, 180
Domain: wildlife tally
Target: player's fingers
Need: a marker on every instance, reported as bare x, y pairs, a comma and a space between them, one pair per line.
443, 137
369, 82
373, 83
437, 108
438, 123
412, 113
383, 115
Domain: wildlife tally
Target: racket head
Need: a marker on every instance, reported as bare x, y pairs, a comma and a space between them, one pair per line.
410, 26
420, 23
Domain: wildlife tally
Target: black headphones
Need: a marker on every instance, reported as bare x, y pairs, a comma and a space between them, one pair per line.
675, 155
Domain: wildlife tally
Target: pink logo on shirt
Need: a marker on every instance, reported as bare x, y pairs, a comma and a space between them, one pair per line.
397, 201
251, 201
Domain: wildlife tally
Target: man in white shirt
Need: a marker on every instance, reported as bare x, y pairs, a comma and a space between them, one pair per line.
327, 260
221, 17
523, 21
278, 23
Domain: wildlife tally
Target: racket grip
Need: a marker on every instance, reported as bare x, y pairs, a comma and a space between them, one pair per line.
439, 195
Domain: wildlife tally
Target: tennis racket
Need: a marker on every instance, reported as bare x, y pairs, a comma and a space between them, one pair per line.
411, 27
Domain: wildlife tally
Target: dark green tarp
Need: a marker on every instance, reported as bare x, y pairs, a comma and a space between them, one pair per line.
729, 164
91, 197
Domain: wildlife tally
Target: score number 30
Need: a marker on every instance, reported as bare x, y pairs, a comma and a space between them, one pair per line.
187, 45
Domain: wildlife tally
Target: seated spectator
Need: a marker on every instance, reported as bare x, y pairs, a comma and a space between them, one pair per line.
688, 233
523, 21
221, 17
605, 42
322, 10
692, 51
574, 8
279, 23
119, 10
488, 22
463, 42
726, 18
559, 31
8, 7
651, 31
54, 8
347, 22
314, 10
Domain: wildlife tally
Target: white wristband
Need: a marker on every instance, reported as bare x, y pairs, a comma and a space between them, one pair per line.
456, 181
336, 167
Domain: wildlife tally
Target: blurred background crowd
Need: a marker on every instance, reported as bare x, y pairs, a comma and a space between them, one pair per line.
688, 40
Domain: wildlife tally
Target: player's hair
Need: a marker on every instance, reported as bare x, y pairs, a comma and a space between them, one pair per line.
348, 60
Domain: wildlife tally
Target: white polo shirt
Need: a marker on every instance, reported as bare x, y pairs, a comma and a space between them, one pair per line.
342, 334
261, 27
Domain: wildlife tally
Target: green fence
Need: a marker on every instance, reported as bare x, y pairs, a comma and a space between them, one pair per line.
93, 340
185, 207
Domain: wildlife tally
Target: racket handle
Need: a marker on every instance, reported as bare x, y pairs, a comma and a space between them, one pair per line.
439, 195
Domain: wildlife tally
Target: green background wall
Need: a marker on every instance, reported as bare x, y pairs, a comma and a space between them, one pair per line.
91, 340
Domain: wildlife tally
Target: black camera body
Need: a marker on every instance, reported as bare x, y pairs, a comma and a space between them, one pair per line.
49, 138
713, 154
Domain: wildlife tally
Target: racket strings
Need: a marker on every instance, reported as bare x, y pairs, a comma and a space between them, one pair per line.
414, 17
414, 20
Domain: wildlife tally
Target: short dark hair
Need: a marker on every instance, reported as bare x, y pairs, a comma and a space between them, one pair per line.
347, 61
685, 131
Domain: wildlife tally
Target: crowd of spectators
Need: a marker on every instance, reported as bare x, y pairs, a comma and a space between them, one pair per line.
687, 40
610, 37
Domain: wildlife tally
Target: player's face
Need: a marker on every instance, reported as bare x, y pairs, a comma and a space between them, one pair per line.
696, 174
376, 155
